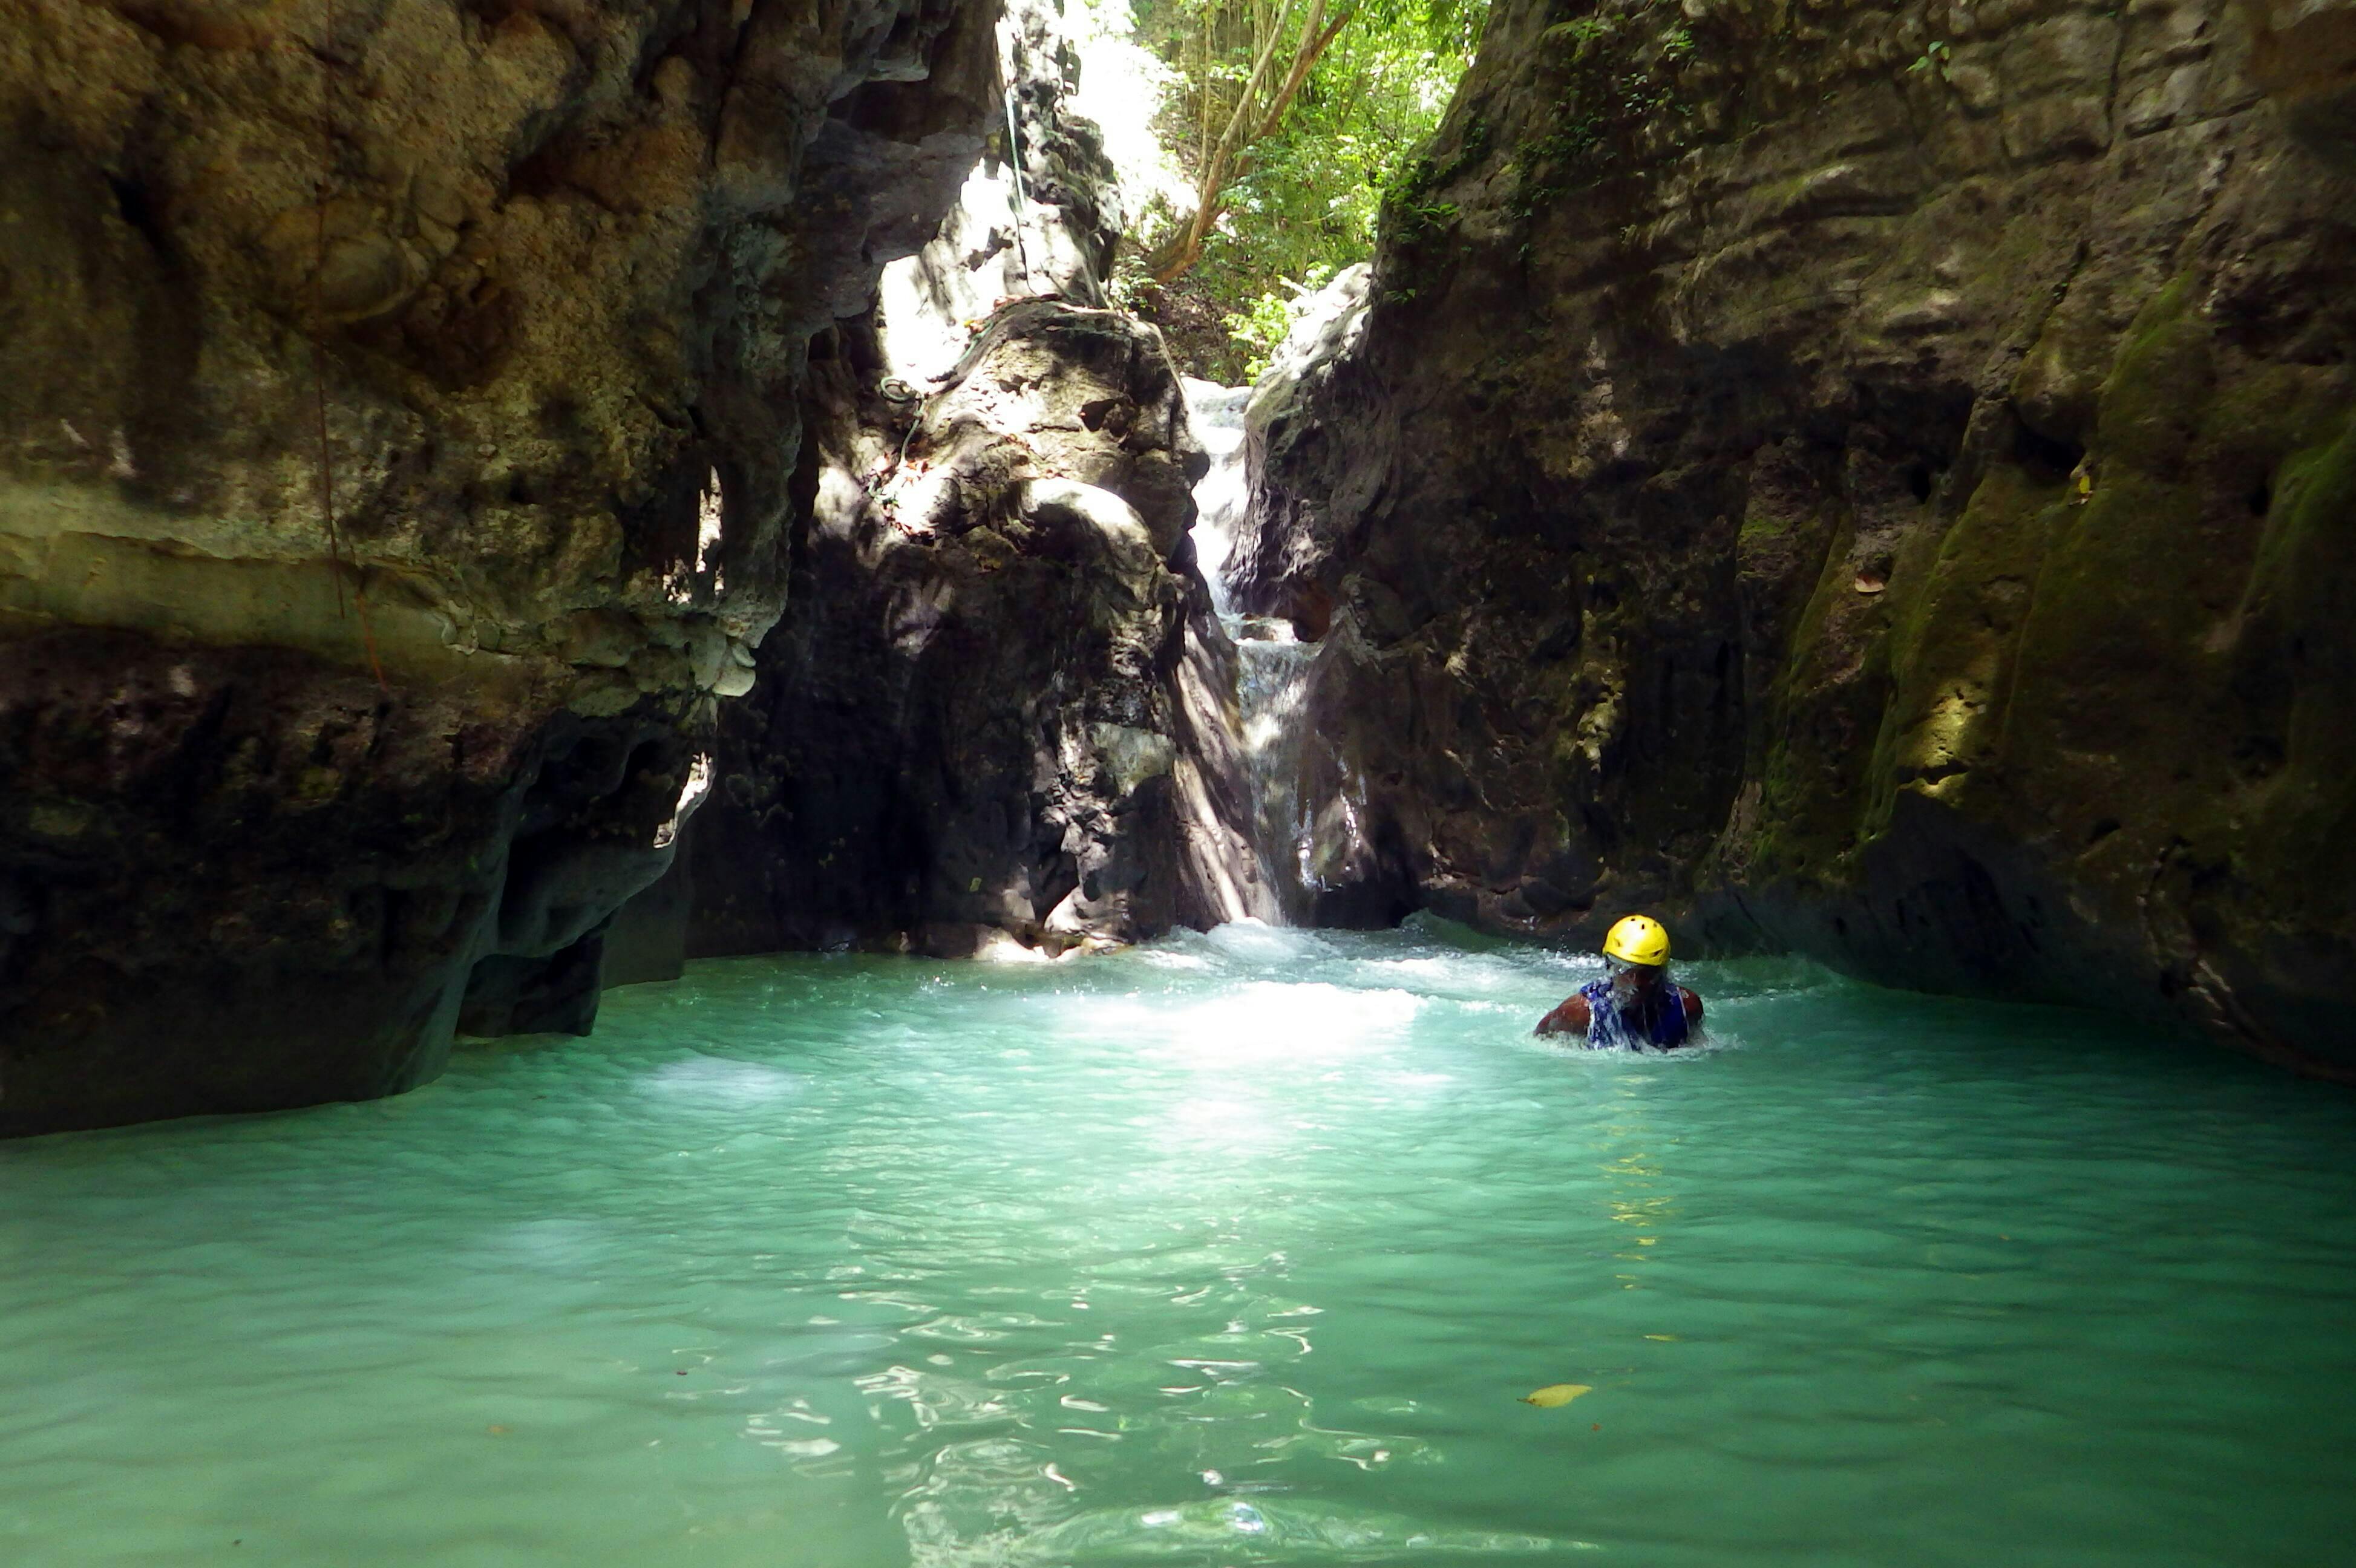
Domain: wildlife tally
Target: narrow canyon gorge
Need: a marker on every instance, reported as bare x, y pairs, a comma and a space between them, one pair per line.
501, 497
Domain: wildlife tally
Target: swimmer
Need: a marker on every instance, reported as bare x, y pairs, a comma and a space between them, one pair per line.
1635, 1003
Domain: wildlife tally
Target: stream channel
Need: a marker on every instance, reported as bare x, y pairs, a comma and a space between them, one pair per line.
1237, 1248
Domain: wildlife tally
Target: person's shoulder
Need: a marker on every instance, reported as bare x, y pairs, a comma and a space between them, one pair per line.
1571, 1016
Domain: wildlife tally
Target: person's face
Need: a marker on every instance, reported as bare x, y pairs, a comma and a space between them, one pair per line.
1632, 981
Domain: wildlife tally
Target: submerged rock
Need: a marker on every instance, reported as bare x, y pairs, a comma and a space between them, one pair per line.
1878, 483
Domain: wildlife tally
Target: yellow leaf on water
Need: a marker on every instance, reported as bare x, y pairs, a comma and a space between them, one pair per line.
1672, 1338
1554, 1394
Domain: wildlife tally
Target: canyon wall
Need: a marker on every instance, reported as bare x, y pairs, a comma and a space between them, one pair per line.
399, 425
1878, 480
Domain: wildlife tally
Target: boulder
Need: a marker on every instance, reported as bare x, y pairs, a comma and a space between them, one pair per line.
971, 720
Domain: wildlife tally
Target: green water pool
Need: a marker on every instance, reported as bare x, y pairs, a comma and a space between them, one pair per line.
1238, 1249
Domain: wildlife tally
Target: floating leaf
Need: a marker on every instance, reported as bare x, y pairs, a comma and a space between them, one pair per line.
1554, 1394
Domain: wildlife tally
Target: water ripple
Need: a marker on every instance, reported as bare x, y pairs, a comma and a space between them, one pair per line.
1237, 1249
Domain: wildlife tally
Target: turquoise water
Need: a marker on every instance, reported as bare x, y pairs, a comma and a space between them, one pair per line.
1238, 1250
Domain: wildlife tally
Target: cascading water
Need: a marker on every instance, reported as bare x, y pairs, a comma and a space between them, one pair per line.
1272, 662
1216, 414
1271, 684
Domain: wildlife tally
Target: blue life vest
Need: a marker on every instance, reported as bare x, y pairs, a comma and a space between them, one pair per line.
1661, 1022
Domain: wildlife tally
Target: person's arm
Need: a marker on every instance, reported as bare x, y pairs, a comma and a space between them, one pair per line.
1569, 1018
1693, 1007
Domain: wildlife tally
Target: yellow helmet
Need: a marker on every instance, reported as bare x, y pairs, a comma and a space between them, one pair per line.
1638, 939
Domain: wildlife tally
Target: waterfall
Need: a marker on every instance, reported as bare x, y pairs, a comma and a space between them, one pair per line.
1272, 663
1224, 496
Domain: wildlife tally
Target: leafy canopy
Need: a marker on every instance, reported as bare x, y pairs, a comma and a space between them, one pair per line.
1293, 119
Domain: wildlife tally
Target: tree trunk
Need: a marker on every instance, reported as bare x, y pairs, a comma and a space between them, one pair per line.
1247, 123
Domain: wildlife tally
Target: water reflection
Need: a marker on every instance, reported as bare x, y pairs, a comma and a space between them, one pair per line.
1242, 1248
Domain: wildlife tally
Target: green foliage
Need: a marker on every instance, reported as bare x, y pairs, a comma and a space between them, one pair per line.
1582, 33
1308, 199
1618, 66
1261, 325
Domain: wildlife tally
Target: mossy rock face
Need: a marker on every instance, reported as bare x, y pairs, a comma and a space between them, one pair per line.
1950, 467
2292, 665
1956, 635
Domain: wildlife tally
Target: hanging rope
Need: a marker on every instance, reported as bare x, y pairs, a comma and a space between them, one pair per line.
1015, 162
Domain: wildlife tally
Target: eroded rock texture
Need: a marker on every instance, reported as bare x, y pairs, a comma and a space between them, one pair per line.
999, 715
973, 724
1880, 478
524, 291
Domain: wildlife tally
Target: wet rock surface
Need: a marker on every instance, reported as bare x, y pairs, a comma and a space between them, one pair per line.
1875, 483
971, 728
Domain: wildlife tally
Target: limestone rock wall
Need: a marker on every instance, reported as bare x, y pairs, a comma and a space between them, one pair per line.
999, 715
1876, 479
971, 728
398, 415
